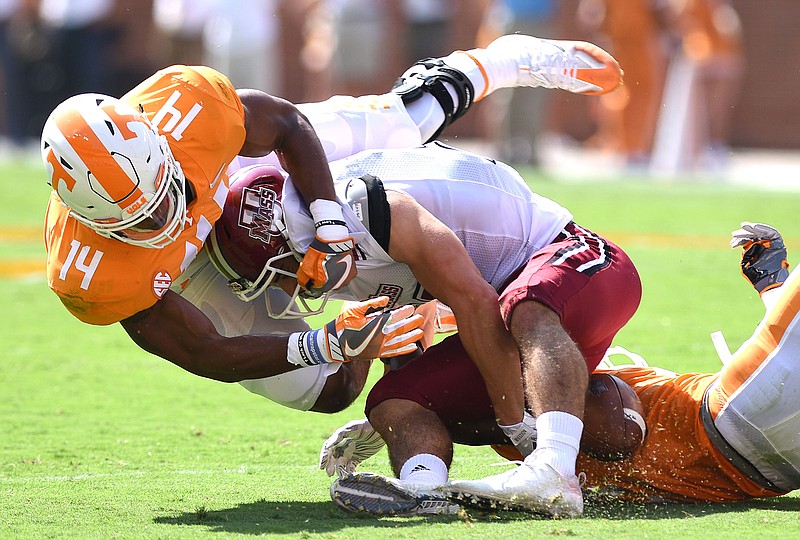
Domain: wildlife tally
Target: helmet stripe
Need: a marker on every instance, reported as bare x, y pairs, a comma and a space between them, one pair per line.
85, 142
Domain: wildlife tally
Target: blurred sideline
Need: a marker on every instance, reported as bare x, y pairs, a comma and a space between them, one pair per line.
563, 158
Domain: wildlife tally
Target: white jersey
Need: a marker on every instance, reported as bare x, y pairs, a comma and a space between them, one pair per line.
489, 207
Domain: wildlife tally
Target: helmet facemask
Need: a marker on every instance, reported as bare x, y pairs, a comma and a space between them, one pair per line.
161, 219
298, 306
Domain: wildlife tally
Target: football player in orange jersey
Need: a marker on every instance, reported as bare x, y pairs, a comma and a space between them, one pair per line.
714, 437
139, 181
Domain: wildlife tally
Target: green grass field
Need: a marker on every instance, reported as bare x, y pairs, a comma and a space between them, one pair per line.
100, 440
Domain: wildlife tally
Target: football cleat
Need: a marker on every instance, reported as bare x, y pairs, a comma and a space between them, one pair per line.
533, 487
575, 66
378, 495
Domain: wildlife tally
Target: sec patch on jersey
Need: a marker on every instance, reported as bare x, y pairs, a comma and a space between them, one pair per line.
613, 419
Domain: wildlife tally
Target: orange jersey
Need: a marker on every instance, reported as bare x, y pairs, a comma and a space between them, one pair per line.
102, 280
677, 461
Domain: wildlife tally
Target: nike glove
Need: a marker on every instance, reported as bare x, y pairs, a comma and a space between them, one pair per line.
764, 261
329, 263
362, 331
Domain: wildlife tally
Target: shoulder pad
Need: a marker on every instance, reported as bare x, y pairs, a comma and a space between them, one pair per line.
367, 198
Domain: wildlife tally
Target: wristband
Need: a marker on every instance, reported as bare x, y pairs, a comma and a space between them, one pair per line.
328, 219
307, 349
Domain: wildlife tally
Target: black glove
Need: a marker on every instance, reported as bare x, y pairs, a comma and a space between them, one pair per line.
763, 257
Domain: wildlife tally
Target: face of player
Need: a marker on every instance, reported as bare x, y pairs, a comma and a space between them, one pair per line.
156, 221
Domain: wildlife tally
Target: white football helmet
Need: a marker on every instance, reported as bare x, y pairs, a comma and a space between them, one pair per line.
114, 171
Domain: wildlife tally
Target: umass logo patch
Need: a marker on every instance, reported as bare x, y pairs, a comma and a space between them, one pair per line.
257, 212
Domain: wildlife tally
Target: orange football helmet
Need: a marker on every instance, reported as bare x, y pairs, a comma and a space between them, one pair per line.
114, 171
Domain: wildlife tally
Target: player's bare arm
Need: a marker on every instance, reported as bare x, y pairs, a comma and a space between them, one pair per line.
442, 266
176, 330
274, 124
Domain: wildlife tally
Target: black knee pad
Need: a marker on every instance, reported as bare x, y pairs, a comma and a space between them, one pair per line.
429, 76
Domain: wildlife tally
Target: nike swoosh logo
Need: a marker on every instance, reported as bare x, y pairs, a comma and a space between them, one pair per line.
217, 176
348, 262
376, 324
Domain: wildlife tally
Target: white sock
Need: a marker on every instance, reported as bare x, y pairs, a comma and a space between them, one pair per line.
424, 469
558, 437
486, 69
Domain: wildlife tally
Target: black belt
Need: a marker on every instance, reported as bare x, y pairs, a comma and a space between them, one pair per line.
746, 468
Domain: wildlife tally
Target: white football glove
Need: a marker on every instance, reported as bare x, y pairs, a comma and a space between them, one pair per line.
523, 434
349, 445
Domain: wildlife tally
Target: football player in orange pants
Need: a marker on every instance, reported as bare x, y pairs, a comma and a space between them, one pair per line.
715, 437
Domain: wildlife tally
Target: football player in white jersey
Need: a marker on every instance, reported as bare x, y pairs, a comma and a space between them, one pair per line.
120, 219
714, 437
439, 223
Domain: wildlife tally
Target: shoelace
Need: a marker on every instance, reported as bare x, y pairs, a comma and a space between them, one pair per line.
554, 69
581, 479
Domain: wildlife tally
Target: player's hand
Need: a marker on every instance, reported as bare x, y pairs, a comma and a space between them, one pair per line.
327, 265
365, 330
439, 319
764, 261
753, 232
362, 331
329, 262
348, 446
523, 434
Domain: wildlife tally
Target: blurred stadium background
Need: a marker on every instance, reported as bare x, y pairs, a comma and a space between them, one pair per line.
690, 64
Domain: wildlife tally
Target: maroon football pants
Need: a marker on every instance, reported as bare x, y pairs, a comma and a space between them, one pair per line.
590, 282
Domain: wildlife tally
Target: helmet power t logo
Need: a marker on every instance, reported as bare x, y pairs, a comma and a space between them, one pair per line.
257, 212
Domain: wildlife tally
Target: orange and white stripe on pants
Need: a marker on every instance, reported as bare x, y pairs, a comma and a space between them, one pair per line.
756, 400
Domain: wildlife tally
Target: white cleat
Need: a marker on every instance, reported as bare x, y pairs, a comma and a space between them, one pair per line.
533, 487
576, 66
369, 493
